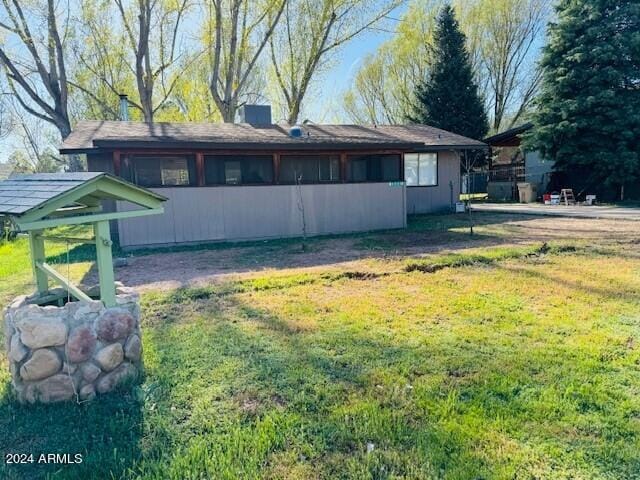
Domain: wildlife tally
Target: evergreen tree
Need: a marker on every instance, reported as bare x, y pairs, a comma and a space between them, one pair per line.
588, 111
449, 98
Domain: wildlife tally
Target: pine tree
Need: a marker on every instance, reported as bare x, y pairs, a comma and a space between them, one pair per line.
588, 112
449, 98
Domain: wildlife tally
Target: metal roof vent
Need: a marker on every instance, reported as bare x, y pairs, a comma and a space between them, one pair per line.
295, 131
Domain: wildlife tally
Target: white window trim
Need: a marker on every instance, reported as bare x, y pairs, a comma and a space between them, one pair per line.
418, 172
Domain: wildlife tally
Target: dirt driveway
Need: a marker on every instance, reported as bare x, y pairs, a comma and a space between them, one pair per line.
170, 269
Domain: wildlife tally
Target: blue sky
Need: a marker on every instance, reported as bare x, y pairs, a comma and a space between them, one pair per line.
326, 100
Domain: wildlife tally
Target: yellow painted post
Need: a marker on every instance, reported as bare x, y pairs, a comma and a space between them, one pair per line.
105, 263
36, 244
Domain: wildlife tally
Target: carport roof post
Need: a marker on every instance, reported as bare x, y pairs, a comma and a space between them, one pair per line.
41, 201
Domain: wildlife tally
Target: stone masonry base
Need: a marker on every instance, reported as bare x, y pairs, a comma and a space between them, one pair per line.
72, 352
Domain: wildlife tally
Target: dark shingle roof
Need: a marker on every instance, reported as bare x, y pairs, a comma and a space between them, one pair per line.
89, 135
22, 193
508, 134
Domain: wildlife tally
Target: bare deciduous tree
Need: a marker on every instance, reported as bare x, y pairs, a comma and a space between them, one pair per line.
237, 32
383, 89
131, 44
310, 32
506, 38
33, 58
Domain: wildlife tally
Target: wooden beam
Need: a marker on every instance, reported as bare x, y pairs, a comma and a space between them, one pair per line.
66, 283
343, 167
276, 168
36, 244
117, 163
122, 191
63, 239
200, 172
258, 151
56, 222
104, 261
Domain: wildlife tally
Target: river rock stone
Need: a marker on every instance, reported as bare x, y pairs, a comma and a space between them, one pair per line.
81, 344
133, 348
89, 372
88, 392
114, 324
38, 332
69, 368
17, 350
57, 388
110, 357
43, 363
120, 374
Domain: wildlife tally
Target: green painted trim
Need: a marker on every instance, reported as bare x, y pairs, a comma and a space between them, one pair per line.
58, 201
73, 290
56, 222
68, 212
124, 192
36, 245
94, 189
104, 261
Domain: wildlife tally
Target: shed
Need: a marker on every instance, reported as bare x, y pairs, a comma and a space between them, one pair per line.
38, 202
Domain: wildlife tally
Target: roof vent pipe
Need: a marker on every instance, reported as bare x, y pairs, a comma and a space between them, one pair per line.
124, 107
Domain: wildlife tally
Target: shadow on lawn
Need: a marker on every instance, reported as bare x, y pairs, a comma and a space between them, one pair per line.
234, 391
328, 393
316, 392
190, 264
106, 432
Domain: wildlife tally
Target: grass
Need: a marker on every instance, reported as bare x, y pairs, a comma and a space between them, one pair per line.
495, 363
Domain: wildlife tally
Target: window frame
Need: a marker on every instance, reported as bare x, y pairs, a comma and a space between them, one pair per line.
437, 154
130, 167
348, 167
237, 157
329, 156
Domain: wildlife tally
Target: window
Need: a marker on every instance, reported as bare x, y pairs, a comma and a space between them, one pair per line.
373, 168
160, 171
238, 169
309, 168
421, 169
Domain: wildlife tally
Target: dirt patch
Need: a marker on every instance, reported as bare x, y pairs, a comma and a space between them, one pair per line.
345, 255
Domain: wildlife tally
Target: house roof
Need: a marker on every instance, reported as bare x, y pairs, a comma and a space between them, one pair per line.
23, 194
93, 135
507, 135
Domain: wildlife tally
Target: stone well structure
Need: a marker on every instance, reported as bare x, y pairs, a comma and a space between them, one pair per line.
75, 351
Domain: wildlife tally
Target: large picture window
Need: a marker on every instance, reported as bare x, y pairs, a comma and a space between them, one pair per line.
238, 169
421, 169
160, 171
373, 168
309, 168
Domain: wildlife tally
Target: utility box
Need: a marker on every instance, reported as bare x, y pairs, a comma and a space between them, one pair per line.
526, 192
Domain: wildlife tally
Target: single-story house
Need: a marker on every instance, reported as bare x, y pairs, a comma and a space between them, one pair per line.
510, 164
258, 180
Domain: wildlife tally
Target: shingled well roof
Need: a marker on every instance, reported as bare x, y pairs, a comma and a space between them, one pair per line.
22, 193
93, 135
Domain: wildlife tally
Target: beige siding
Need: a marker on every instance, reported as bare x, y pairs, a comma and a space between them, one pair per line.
199, 214
437, 198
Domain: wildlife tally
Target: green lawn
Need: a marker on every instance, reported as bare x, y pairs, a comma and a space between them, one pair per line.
496, 363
